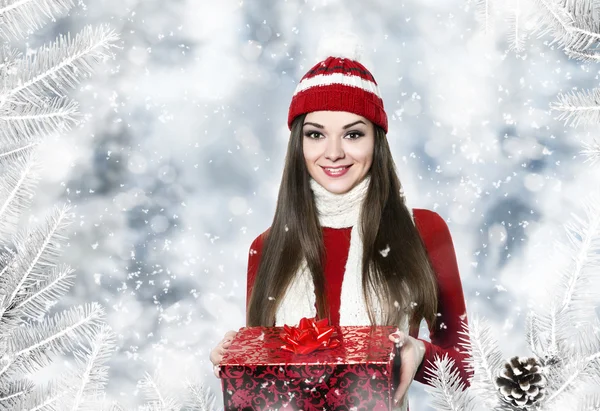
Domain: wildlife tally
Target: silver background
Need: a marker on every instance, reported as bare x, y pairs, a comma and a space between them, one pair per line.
177, 169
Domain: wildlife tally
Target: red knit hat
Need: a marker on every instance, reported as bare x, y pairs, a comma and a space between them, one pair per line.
339, 84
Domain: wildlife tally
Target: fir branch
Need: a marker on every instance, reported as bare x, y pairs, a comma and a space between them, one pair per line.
569, 31
516, 29
572, 377
200, 397
60, 333
552, 18
583, 55
57, 67
36, 249
532, 334
592, 151
446, 387
41, 399
483, 13
589, 402
93, 375
11, 149
579, 8
27, 121
21, 16
578, 107
14, 393
486, 357
18, 179
155, 393
55, 284
583, 236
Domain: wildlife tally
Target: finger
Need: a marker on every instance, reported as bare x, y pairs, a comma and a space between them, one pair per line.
398, 340
216, 355
216, 371
230, 334
405, 379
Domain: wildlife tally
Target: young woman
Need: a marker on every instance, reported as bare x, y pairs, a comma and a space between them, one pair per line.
343, 245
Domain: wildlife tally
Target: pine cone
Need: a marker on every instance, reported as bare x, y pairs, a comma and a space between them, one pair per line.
521, 383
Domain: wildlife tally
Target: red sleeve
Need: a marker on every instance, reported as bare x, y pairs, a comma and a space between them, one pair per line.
451, 302
253, 260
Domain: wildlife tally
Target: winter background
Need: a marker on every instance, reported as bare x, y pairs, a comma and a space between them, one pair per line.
177, 168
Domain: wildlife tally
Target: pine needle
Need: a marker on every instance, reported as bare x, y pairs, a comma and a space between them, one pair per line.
24, 122
446, 387
156, 394
21, 16
516, 28
200, 397
578, 107
63, 332
57, 68
17, 183
592, 151
93, 372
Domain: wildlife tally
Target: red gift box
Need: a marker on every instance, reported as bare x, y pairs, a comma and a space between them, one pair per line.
358, 370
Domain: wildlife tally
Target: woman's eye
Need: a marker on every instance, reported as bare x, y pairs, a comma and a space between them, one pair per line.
313, 134
354, 135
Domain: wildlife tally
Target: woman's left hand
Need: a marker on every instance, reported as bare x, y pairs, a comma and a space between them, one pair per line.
411, 356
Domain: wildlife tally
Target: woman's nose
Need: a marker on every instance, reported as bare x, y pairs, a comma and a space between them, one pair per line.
334, 149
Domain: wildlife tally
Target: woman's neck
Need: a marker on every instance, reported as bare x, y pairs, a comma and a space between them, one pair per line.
339, 210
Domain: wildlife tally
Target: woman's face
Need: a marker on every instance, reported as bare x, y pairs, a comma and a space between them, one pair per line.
338, 148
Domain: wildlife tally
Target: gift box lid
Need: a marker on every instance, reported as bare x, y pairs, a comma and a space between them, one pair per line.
254, 346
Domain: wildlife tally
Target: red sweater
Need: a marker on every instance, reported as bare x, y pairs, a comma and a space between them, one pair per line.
451, 306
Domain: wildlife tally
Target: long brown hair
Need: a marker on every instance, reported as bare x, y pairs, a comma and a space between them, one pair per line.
385, 222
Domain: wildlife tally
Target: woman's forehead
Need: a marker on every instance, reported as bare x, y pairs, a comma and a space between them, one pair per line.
334, 118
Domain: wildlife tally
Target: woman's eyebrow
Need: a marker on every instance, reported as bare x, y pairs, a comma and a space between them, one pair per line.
352, 124
313, 124
345, 127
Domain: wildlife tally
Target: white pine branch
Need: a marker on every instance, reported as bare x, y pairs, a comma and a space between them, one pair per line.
516, 27
37, 249
200, 397
60, 333
552, 18
578, 107
592, 151
486, 357
583, 236
580, 367
28, 121
58, 67
93, 377
17, 182
583, 55
41, 399
9, 150
447, 389
55, 284
14, 393
21, 16
589, 402
156, 393
483, 14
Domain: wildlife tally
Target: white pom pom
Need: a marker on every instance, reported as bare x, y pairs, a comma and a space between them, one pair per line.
342, 43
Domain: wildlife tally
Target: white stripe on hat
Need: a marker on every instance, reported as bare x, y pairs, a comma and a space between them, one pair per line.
338, 78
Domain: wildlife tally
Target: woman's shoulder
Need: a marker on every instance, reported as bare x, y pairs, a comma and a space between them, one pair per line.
428, 221
257, 242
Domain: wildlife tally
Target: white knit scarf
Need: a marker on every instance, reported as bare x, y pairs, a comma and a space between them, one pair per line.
335, 211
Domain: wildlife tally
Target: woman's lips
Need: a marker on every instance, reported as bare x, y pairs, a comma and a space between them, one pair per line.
340, 173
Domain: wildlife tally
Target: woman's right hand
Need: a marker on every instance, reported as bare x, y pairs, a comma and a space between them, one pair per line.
216, 355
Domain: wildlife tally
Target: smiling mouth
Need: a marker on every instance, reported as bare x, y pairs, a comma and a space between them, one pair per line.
336, 171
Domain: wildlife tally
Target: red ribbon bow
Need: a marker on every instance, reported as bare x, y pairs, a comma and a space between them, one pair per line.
310, 335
